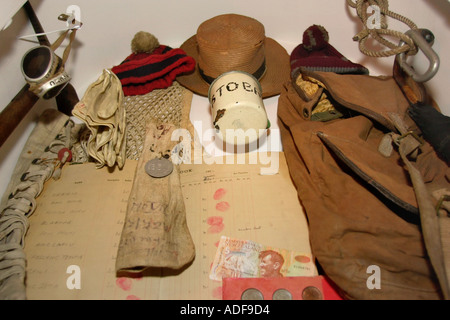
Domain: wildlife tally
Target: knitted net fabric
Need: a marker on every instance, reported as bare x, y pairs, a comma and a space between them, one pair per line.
159, 106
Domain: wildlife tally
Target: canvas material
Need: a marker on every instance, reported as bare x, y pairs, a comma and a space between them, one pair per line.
37, 163
172, 247
361, 205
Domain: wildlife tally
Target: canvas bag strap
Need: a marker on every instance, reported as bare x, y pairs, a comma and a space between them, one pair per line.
434, 227
430, 221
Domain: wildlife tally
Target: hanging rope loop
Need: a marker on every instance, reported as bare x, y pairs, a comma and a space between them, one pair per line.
379, 31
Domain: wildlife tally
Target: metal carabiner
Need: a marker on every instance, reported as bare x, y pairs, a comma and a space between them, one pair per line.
424, 39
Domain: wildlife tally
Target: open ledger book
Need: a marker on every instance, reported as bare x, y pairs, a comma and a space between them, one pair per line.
74, 234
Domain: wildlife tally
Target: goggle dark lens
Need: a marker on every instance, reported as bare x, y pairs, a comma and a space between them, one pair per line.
37, 62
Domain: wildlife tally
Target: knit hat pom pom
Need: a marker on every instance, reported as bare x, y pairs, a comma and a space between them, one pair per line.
144, 42
315, 38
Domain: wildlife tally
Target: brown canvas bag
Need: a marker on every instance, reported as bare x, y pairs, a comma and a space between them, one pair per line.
368, 184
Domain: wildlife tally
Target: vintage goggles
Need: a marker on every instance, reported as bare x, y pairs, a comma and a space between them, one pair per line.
44, 72
43, 69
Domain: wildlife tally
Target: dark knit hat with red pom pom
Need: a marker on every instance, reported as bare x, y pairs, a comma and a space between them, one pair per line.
316, 54
151, 65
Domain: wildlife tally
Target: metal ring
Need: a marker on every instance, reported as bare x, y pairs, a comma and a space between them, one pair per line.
39, 64
54, 86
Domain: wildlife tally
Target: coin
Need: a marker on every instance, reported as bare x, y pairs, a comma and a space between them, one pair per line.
312, 293
282, 294
252, 294
159, 167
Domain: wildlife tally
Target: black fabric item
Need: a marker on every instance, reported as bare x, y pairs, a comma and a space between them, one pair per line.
435, 128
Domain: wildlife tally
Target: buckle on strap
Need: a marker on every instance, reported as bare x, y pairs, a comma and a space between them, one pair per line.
399, 138
408, 143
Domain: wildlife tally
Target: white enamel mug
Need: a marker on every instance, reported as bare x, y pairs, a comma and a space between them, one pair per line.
238, 111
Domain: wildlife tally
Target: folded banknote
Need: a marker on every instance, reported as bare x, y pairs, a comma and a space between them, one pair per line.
247, 259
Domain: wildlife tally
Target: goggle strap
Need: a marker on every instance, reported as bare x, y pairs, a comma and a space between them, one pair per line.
59, 41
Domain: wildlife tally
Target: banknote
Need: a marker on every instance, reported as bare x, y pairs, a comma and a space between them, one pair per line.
247, 259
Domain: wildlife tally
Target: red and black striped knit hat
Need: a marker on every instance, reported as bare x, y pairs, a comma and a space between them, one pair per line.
316, 54
151, 66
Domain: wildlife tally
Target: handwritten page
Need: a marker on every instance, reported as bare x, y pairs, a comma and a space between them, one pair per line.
236, 200
75, 231
77, 222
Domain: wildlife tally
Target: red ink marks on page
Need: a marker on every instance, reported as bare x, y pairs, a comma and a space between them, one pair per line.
133, 297
214, 220
219, 193
216, 228
216, 224
124, 283
222, 206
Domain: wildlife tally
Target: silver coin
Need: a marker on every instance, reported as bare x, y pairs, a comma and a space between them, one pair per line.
282, 294
159, 167
252, 294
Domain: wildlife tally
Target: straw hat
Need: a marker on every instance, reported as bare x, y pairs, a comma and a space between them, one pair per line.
232, 42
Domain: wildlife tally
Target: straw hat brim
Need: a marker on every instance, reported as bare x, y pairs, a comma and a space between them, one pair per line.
277, 69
